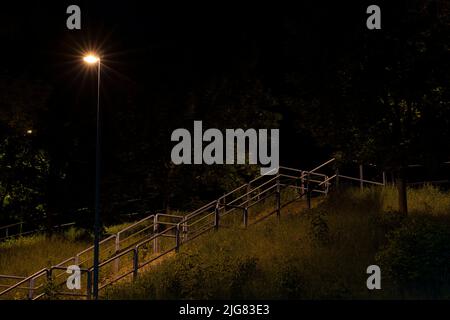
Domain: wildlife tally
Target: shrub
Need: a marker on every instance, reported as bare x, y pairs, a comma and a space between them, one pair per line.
417, 256
321, 253
319, 230
291, 280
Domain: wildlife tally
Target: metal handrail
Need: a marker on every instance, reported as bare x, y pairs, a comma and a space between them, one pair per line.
135, 224
184, 221
92, 247
202, 214
328, 179
208, 205
42, 271
323, 165
11, 225
169, 215
264, 175
291, 169
5, 276
34, 275
198, 215
361, 180
121, 254
136, 233
259, 200
247, 193
198, 220
190, 216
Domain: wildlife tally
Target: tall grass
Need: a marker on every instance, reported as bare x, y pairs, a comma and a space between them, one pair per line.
24, 256
428, 199
321, 253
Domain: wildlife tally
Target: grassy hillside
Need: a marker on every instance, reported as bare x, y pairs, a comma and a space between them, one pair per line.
27, 255
322, 253
24, 256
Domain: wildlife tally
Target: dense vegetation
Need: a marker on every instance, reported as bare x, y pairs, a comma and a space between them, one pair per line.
26, 255
318, 254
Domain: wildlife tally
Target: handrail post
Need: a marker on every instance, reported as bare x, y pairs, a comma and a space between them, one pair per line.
337, 178
361, 177
302, 187
89, 286
31, 289
155, 231
384, 178
308, 190
185, 229
20, 229
135, 263
217, 215
177, 238
245, 217
48, 272
278, 198
224, 203
117, 249
248, 193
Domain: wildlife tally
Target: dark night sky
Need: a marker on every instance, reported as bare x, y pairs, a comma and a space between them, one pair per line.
159, 57
173, 47
143, 43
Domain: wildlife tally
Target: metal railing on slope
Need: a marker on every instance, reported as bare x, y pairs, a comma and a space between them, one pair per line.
11, 230
210, 216
108, 247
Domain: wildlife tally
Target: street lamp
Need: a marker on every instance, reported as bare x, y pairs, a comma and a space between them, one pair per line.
92, 59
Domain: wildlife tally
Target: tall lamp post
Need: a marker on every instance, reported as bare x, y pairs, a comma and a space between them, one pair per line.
93, 59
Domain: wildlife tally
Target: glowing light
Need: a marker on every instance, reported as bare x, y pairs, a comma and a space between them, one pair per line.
91, 59
29, 131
